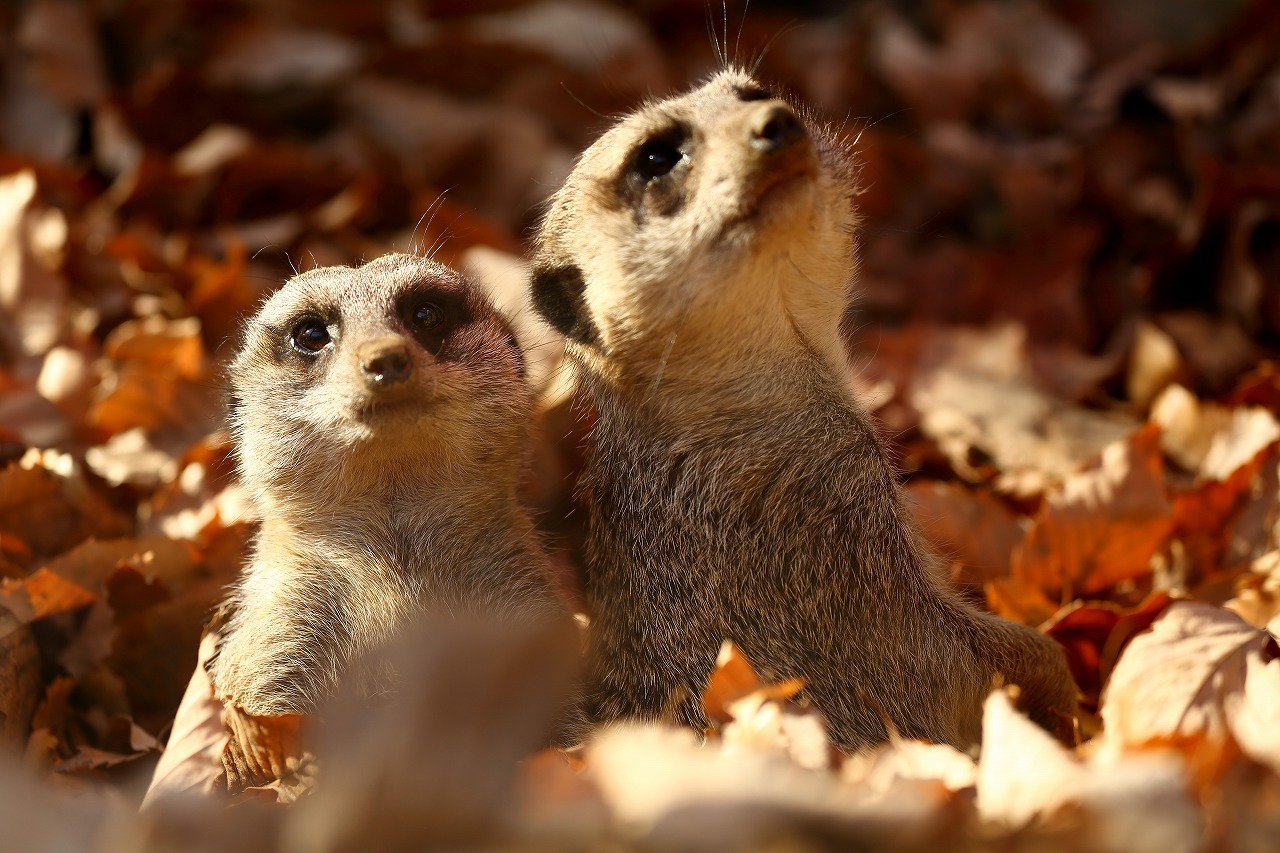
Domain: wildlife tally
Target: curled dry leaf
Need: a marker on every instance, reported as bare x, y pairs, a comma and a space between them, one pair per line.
733, 678
1257, 598
1153, 364
1184, 678
754, 715
1254, 713
910, 768
979, 402
1024, 772
33, 295
1187, 426
264, 752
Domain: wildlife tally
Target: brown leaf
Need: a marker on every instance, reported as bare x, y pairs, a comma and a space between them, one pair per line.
1175, 680
160, 379
53, 510
973, 527
88, 758
1203, 516
1103, 525
43, 594
60, 37
264, 750
19, 679
732, 678
1094, 633
1020, 601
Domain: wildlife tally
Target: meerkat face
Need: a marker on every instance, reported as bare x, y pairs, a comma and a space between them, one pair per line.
721, 207
390, 363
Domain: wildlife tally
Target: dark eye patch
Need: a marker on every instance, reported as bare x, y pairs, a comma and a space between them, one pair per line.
650, 180
656, 156
754, 93
432, 313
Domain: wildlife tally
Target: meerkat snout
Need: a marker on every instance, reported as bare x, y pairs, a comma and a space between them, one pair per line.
774, 128
385, 362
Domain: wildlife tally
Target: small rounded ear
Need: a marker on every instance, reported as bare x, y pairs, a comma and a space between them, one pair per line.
557, 296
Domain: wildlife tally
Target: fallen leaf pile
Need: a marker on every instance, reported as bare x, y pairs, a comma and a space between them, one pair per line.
1068, 323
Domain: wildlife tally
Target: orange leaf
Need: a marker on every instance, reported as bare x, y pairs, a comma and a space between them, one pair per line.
1103, 525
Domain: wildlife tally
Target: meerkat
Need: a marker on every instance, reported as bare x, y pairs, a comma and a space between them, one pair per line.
698, 260
380, 417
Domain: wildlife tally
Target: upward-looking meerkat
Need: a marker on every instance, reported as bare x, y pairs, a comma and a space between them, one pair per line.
698, 260
380, 416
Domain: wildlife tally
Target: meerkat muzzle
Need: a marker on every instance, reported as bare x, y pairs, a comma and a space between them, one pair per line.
384, 363
774, 128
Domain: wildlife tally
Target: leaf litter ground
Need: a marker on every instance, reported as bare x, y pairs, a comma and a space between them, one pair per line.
1068, 316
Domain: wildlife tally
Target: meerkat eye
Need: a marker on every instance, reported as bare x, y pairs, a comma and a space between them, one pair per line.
656, 158
428, 316
309, 337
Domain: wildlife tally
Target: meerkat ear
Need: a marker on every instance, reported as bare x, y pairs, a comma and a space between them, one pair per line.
557, 296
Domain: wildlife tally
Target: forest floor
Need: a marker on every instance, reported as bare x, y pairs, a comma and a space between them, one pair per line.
1067, 322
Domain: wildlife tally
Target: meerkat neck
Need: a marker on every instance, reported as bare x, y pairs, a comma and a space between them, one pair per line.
691, 387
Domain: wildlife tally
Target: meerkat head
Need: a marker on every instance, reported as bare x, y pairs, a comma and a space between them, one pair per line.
714, 225
353, 376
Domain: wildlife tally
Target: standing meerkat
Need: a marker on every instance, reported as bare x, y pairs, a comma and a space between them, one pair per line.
380, 416
698, 260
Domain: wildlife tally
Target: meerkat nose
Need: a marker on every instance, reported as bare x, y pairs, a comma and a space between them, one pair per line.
385, 363
775, 127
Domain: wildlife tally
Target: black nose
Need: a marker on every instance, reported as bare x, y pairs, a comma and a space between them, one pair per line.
775, 127
386, 365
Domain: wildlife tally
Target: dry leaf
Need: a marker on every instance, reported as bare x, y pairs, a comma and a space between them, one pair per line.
52, 509
1136, 802
1093, 634
1176, 680
929, 768
1254, 714
980, 402
1024, 773
1103, 525
973, 528
1153, 364
19, 680
1187, 427
263, 751
43, 594
192, 758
